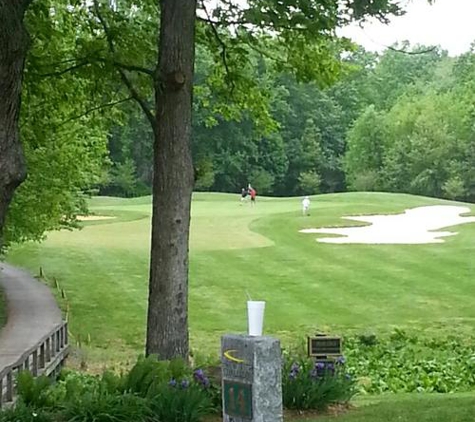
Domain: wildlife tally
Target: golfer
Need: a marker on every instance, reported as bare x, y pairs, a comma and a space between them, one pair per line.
244, 194
253, 194
306, 206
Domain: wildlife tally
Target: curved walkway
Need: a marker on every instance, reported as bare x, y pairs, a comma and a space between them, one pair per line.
32, 313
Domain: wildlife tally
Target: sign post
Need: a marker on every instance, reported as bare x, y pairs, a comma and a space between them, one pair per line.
252, 379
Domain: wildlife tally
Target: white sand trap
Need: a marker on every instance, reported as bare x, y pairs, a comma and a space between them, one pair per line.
414, 226
93, 217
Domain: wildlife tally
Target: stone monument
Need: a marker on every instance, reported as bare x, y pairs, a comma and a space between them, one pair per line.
252, 379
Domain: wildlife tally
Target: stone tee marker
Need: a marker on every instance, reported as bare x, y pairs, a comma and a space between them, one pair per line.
252, 379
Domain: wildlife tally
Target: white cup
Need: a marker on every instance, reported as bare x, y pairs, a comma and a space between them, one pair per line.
255, 317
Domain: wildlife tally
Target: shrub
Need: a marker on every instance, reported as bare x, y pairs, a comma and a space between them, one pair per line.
176, 393
100, 406
404, 363
307, 385
366, 181
454, 188
180, 401
34, 392
23, 413
309, 182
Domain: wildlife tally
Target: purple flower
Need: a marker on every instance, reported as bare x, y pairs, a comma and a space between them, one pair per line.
201, 378
199, 374
341, 360
295, 368
292, 376
318, 370
185, 384
172, 382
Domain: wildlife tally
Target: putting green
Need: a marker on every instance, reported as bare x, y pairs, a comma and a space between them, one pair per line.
236, 250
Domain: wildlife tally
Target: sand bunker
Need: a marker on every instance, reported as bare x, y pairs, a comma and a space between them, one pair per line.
93, 217
414, 226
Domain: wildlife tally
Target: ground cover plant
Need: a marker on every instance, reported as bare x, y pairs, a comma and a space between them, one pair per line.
402, 362
83, 397
163, 391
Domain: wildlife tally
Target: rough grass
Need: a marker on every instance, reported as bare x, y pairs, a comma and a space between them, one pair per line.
236, 250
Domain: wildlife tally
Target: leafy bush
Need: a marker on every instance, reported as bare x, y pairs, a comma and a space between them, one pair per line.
262, 181
454, 188
409, 363
33, 392
308, 385
100, 406
180, 401
365, 181
23, 413
309, 182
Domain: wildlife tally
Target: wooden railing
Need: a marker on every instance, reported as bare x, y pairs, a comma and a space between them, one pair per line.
45, 358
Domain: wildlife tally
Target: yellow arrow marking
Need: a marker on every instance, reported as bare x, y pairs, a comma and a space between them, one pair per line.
227, 354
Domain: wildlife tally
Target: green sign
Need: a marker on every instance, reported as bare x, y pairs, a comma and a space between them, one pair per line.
237, 399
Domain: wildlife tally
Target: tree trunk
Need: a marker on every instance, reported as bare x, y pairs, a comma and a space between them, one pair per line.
13, 49
167, 325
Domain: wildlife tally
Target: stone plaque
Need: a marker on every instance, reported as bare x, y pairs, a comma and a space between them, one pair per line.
252, 379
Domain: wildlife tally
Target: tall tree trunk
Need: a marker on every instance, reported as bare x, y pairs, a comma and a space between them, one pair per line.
13, 49
167, 325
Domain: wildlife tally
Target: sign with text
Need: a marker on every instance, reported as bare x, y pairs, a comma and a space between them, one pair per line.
324, 346
237, 399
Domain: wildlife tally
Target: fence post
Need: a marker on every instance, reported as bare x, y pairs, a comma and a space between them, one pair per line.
9, 386
66, 338
34, 370
42, 356
48, 349
53, 346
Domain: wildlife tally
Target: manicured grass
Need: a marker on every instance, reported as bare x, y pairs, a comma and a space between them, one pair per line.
413, 408
236, 249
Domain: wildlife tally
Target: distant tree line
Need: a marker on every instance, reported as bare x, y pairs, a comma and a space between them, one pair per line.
400, 121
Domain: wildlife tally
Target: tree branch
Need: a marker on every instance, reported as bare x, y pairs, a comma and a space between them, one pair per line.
397, 50
87, 61
221, 43
91, 110
63, 71
411, 53
135, 68
125, 79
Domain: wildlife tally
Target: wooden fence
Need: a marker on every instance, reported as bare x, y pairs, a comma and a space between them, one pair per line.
45, 358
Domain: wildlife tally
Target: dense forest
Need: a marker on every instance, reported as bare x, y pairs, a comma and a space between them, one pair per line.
400, 121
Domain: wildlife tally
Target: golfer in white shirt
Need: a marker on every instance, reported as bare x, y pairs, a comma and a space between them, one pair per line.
306, 205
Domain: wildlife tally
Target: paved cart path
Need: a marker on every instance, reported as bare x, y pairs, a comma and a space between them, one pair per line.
32, 313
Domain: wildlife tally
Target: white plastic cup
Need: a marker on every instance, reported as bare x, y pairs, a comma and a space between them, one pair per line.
255, 317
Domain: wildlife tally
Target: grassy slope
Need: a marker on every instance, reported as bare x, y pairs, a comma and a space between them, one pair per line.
234, 249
